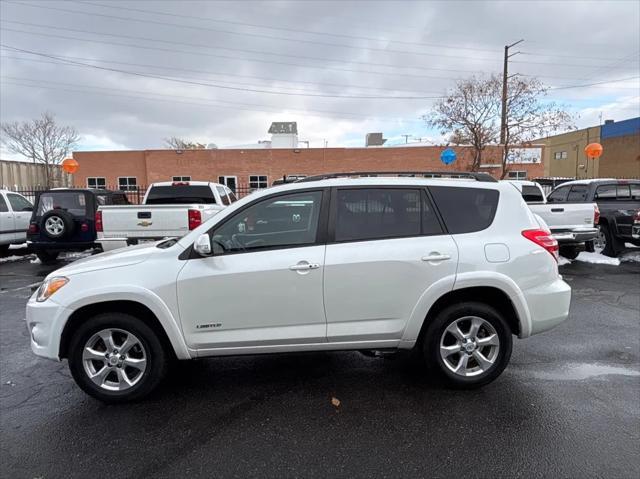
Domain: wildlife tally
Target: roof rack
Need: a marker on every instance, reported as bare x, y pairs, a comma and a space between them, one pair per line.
485, 177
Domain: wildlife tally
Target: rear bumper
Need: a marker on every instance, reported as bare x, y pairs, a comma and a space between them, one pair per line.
576, 235
548, 305
45, 246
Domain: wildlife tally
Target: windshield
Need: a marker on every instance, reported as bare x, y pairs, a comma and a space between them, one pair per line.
180, 194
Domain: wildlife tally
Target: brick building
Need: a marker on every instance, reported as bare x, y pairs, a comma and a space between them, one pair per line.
258, 168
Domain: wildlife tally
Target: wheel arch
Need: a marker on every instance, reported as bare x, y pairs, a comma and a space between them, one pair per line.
499, 292
173, 343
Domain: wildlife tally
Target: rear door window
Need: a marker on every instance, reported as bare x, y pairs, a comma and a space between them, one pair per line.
223, 195
606, 192
532, 194
3, 205
376, 213
180, 195
623, 192
465, 210
559, 195
73, 202
19, 203
577, 193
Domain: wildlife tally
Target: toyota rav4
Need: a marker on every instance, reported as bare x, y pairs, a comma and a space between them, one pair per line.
450, 267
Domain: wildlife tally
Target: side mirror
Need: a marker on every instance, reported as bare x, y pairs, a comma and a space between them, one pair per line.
202, 246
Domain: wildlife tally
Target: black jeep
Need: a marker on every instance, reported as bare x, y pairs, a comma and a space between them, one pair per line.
64, 220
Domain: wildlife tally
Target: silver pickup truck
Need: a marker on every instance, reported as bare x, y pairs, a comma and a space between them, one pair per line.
573, 225
169, 209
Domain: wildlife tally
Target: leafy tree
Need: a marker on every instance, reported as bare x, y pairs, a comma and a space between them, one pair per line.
41, 140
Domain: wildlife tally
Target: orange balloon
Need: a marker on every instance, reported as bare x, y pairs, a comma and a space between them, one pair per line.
70, 165
593, 150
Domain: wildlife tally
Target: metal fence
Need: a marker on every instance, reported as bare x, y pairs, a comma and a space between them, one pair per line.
135, 194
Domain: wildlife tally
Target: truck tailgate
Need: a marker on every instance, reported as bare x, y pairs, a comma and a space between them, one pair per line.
140, 221
565, 216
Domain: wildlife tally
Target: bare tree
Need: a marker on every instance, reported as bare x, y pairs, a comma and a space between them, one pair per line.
529, 117
470, 114
41, 140
176, 143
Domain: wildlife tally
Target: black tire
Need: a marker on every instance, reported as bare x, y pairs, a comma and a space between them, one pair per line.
589, 247
47, 257
434, 334
569, 252
612, 246
157, 360
4, 250
65, 220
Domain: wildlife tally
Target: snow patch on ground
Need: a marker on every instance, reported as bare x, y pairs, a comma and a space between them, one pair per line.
630, 257
35, 261
562, 261
10, 259
597, 258
19, 246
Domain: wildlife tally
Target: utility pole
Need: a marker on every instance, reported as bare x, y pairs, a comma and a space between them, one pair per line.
505, 78
406, 138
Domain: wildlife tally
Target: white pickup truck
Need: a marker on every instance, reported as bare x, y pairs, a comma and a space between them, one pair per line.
573, 225
169, 209
15, 213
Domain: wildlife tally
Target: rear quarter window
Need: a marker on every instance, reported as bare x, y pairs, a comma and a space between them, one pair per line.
532, 194
465, 210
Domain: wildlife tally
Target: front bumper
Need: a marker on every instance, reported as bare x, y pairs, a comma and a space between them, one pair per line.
45, 322
548, 305
575, 236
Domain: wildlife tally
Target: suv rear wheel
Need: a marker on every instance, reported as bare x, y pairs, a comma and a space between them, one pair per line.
467, 345
116, 358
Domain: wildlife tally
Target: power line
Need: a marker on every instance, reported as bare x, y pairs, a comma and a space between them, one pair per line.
199, 101
173, 69
211, 85
595, 83
245, 34
188, 52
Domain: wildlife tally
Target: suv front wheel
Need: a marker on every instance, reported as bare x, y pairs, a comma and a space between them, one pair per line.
116, 357
467, 345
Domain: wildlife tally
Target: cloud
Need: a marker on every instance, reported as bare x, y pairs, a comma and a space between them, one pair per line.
374, 49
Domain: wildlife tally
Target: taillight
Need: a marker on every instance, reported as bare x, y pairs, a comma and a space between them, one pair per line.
596, 215
543, 238
99, 221
195, 219
33, 229
180, 183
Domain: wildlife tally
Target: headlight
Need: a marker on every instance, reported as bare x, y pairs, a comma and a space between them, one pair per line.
49, 287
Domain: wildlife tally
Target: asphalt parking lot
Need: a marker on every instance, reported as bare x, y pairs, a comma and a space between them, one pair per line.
567, 406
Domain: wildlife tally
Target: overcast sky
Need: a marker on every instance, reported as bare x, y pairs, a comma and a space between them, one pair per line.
192, 68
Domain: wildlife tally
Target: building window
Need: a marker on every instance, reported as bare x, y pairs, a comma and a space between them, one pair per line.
127, 183
181, 178
97, 182
257, 182
517, 175
228, 181
560, 155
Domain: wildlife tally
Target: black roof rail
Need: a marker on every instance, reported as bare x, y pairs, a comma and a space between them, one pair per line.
485, 177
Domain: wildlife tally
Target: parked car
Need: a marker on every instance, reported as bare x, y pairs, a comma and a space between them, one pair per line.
64, 219
573, 225
452, 268
619, 205
15, 211
169, 209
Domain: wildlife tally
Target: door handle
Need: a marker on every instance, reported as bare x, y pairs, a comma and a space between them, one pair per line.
436, 257
557, 210
304, 266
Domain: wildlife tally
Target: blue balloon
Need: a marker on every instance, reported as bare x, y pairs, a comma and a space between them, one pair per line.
448, 156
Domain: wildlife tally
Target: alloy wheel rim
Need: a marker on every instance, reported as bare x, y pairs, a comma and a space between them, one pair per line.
54, 225
469, 346
114, 359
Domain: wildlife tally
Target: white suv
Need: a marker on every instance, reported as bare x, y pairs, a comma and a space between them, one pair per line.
451, 267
